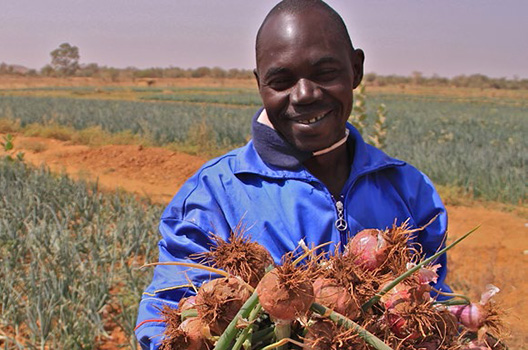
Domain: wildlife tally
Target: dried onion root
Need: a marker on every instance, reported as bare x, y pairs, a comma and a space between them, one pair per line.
363, 283
187, 335
336, 297
219, 300
286, 292
419, 322
323, 334
343, 285
238, 256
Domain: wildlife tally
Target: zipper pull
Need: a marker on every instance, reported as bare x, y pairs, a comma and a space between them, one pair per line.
340, 223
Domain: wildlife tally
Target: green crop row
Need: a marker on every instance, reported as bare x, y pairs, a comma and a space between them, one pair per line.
232, 97
476, 145
479, 147
69, 259
162, 123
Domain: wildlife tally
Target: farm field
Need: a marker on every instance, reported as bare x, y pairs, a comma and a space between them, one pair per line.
473, 144
472, 147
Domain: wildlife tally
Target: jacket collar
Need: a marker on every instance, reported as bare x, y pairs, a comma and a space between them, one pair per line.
269, 155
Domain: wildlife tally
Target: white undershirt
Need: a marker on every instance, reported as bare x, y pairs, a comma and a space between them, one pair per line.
264, 119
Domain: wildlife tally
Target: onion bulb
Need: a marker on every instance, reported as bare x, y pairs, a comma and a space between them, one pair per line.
285, 296
368, 248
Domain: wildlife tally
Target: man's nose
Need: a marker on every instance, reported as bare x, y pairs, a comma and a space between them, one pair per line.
305, 92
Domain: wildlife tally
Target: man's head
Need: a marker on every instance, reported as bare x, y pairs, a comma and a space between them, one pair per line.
306, 71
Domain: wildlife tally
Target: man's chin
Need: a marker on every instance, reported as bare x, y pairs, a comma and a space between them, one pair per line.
316, 143
310, 146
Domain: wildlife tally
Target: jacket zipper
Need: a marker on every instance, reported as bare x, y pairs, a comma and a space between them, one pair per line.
341, 224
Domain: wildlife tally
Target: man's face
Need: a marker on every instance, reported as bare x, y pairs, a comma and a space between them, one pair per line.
305, 73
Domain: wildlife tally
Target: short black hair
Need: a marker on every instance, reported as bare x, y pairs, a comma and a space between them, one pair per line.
299, 6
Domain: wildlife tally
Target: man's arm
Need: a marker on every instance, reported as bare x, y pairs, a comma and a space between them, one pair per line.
170, 283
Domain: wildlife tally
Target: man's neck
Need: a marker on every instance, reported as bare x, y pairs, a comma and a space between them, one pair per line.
331, 168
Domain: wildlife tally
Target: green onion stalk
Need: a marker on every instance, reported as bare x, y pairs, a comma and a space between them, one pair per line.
244, 338
225, 340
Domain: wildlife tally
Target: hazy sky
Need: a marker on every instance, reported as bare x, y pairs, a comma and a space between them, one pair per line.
447, 37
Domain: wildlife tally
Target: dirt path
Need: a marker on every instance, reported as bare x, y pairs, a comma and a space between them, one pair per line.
497, 253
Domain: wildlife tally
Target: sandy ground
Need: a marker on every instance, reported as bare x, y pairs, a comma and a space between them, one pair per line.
496, 253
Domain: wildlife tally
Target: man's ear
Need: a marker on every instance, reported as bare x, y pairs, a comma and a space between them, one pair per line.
358, 58
255, 73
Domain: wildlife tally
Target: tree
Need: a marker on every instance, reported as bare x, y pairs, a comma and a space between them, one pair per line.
47, 71
65, 59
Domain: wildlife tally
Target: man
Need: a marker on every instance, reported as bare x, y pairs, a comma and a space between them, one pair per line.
306, 174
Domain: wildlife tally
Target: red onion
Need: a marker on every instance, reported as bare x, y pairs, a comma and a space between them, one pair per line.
399, 327
426, 274
472, 316
187, 303
219, 300
328, 293
368, 248
196, 333
429, 345
397, 294
282, 299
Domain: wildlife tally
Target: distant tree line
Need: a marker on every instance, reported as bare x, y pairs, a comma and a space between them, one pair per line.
65, 63
467, 81
118, 74
372, 79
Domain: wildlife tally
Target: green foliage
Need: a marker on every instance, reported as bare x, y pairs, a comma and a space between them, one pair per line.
69, 259
7, 145
474, 144
9, 125
477, 146
51, 130
200, 138
241, 97
65, 59
359, 118
378, 136
160, 123
478, 81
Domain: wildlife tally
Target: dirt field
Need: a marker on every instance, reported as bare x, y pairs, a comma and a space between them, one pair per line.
496, 253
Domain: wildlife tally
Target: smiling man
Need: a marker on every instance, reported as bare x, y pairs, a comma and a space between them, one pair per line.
306, 71
306, 174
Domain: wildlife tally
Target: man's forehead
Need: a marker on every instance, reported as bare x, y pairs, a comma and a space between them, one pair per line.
285, 31
305, 22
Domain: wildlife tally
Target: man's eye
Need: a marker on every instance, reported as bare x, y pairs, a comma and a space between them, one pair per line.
327, 74
280, 83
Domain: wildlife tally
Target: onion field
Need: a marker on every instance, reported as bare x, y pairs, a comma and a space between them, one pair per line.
69, 260
476, 145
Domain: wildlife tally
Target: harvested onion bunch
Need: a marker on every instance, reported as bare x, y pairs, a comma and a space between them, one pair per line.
374, 295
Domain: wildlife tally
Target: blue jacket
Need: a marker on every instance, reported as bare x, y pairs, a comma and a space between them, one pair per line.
280, 207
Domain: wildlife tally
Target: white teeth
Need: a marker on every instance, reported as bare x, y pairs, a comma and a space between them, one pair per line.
313, 120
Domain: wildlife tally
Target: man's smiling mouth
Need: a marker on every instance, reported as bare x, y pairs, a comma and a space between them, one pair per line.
313, 120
